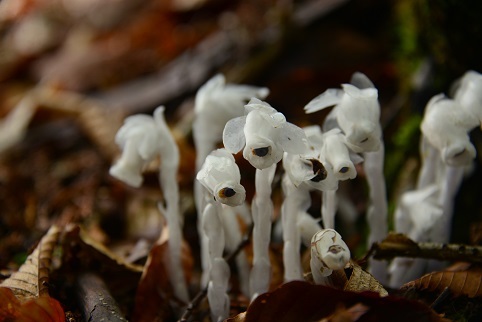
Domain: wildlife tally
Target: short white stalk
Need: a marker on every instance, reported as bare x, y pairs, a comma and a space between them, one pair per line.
233, 239
328, 208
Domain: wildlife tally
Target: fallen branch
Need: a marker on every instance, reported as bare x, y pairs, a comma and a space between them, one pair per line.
398, 245
97, 304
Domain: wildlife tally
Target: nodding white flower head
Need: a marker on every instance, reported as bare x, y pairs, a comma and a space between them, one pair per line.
338, 155
357, 112
446, 126
311, 168
265, 135
139, 139
468, 93
220, 176
418, 210
217, 102
329, 250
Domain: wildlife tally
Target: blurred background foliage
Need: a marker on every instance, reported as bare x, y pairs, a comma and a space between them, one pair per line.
129, 56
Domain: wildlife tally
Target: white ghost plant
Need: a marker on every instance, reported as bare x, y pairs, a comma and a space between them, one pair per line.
142, 138
215, 104
263, 134
221, 177
311, 168
416, 213
446, 127
357, 112
328, 253
468, 93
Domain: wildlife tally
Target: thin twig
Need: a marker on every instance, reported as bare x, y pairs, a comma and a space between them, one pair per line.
204, 291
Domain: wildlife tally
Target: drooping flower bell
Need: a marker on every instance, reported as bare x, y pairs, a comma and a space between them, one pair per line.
328, 253
265, 135
357, 112
221, 177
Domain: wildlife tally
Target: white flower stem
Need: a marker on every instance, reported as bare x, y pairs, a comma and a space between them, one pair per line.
168, 181
171, 196
219, 269
262, 211
296, 200
377, 212
233, 238
328, 208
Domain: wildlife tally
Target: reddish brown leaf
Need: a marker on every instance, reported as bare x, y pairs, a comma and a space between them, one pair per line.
301, 301
468, 283
42, 309
154, 293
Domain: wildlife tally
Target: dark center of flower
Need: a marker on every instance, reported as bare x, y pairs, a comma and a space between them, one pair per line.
335, 249
261, 152
226, 192
319, 170
458, 154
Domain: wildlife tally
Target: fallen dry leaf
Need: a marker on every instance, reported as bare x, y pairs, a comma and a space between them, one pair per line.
32, 278
302, 301
42, 309
361, 280
24, 296
154, 294
460, 283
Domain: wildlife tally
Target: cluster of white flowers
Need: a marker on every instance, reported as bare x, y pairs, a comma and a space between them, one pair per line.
313, 159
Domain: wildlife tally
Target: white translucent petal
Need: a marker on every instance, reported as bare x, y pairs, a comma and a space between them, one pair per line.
257, 104
233, 134
328, 98
469, 93
361, 81
297, 168
292, 139
357, 93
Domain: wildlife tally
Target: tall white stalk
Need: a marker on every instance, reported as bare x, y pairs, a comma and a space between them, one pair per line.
357, 114
142, 138
220, 177
263, 135
262, 212
215, 104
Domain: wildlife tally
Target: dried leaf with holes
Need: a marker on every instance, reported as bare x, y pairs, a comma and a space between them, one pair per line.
360, 281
